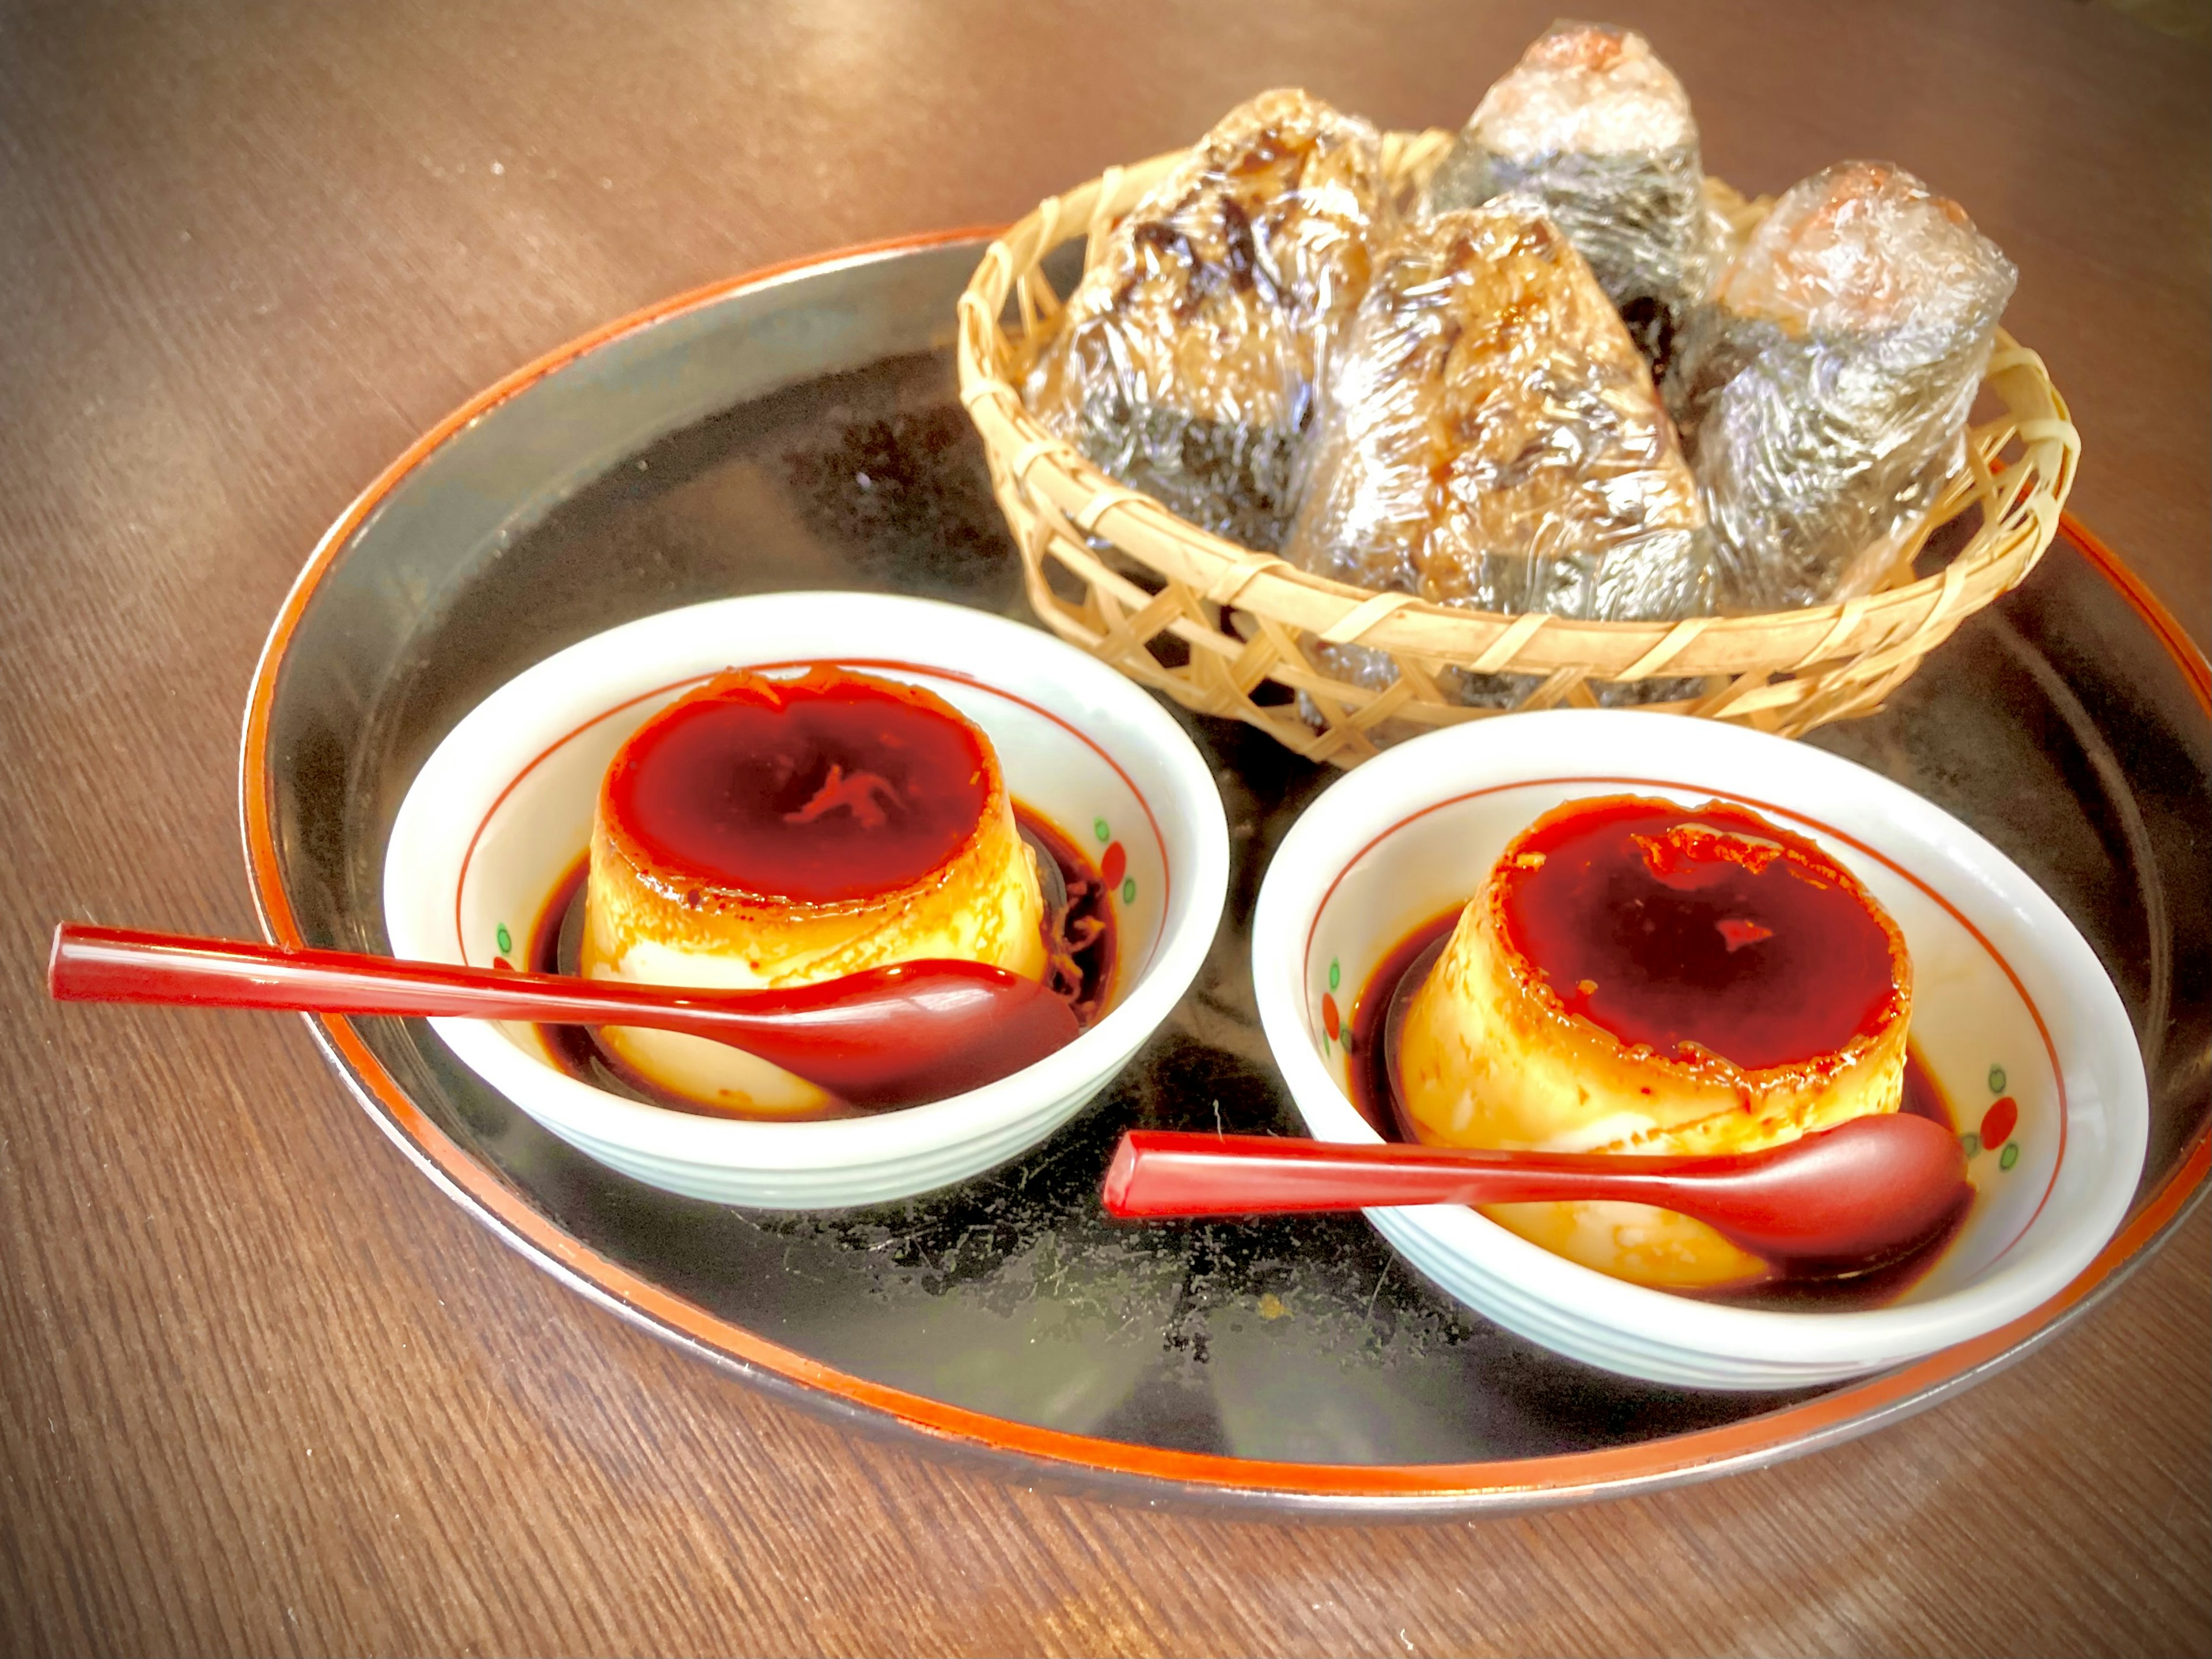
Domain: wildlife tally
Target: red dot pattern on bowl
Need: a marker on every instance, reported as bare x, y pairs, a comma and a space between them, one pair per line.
1997, 1122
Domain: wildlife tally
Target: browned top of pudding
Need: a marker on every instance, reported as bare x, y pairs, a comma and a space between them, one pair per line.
1681, 929
818, 789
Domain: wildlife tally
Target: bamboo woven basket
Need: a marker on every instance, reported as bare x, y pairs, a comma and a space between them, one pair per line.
1213, 622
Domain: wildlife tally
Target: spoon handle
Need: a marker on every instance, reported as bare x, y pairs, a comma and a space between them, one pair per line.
1170, 1173
126, 964
894, 1034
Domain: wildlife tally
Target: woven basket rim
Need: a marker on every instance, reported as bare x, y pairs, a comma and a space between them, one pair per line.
2026, 503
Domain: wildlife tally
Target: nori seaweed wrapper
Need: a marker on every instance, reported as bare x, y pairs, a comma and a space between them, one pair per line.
1189, 358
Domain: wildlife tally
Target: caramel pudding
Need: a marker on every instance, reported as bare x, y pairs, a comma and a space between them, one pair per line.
1637, 976
764, 832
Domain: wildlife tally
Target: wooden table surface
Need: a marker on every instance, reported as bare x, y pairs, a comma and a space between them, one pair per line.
266, 1389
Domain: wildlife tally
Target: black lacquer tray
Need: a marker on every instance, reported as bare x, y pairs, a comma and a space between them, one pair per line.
798, 428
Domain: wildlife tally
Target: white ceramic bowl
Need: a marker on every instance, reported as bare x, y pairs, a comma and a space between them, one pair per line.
503, 809
2009, 1002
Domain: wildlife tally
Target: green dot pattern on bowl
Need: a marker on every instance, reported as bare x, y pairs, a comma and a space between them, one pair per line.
506, 940
1335, 975
1098, 828
1996, 1079
1971, 1142
1129, 890
2009, 1157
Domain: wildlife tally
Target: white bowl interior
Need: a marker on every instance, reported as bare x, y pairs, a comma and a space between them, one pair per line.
2009, 1002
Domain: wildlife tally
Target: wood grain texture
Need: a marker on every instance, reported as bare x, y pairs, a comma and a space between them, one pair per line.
266, 1389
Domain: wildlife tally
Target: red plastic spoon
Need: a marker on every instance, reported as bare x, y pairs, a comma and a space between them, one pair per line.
889, 1036
1866, 1189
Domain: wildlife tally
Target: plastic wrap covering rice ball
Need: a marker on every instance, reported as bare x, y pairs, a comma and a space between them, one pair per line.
1187, 361
1489, 437
1593, 123
1823, 393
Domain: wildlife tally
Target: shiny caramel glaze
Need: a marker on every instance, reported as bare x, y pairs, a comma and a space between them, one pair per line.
1708, 931
1372, 1073
1495, 1053
1080, 942
777, 831
817, 790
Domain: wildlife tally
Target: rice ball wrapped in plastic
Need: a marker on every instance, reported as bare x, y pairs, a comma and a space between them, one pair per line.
1596, 126
1823, 394
1489, 437
1187, 361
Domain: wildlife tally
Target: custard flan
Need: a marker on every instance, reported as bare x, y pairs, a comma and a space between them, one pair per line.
1637, 976
763, 832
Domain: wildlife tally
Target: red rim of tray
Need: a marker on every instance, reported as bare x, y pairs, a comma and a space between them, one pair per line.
1847, 1410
